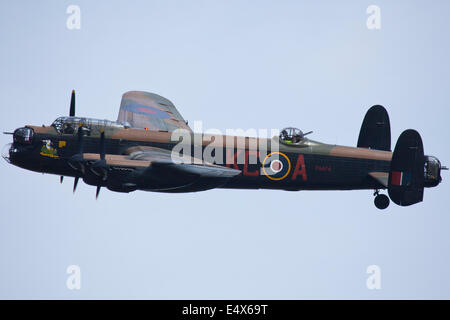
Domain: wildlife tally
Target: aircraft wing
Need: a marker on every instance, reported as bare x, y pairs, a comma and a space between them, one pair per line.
163, 161
151, 111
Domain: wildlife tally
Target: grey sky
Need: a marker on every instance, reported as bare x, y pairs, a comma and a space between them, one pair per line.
231, 64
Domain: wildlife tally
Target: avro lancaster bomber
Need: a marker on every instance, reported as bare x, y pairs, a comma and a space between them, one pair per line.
137, 152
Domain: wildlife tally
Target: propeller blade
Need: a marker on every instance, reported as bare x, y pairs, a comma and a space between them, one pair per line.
75, 183
76, 161
80, 140
97, 192
61, 179
102, 145
72, 104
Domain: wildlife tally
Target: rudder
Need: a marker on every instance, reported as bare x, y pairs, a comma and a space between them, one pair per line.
406, 176
375, 130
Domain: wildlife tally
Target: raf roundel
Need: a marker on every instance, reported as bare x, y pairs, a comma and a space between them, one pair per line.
147, 111
276, 166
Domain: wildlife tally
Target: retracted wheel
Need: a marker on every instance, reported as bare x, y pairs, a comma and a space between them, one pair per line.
381, 201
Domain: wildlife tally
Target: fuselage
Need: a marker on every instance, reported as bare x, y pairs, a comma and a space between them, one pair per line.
310, 165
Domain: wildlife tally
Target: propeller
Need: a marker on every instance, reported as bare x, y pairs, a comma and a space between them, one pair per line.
98, 191
102, 145
72, 105
71, 114
76, 161
99, 167
75, 183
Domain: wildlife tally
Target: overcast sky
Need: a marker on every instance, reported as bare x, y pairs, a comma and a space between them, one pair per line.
231, 64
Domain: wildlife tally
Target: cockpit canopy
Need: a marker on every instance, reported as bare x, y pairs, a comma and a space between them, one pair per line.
292, 135
71, 125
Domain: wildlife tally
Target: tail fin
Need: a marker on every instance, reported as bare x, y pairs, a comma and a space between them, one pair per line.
406, 176
375, 130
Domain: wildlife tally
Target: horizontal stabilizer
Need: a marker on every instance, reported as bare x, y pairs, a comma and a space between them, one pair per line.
375, 130
380, 177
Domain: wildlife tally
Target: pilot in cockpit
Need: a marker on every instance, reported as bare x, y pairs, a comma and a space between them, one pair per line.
68, 129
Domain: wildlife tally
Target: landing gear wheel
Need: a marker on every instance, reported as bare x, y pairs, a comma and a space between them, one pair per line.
381, 201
